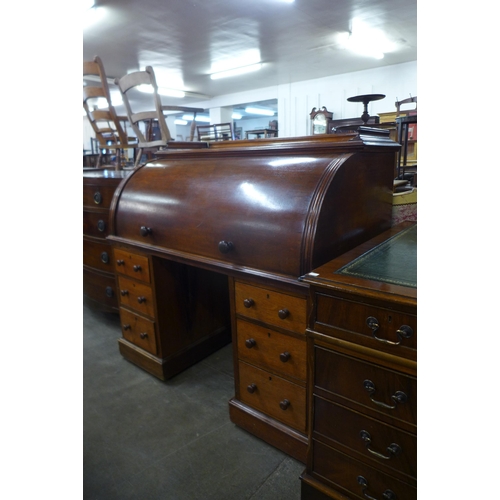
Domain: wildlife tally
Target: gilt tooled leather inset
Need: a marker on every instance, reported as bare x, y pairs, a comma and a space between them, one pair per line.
394, 261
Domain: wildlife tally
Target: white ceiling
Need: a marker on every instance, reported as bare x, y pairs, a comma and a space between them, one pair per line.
183, 39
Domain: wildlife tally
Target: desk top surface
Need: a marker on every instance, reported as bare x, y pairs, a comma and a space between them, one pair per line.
386, 264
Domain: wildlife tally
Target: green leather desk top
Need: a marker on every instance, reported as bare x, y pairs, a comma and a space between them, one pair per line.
393, 261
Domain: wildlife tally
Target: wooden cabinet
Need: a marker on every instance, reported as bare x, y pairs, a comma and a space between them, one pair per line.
362, 346
99, 287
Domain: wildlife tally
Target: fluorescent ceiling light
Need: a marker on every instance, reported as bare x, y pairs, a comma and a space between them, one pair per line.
199, 118
180, 122
366, 41
236, 116
148, 89
259, 111
236, 71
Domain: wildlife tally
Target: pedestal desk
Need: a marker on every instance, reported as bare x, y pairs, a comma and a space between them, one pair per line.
208, 247
362, 380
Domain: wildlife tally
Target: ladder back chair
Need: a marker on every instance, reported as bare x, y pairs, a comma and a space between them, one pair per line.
149, 118
104, 121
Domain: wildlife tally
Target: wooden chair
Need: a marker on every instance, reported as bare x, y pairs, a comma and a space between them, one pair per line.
216, 132
156, 134
106, 124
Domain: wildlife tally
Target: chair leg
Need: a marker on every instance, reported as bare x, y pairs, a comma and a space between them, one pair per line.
138, 158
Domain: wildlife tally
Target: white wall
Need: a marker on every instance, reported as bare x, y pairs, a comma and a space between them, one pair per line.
296, 100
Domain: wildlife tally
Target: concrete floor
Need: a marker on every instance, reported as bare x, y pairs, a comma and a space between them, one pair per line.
146, 439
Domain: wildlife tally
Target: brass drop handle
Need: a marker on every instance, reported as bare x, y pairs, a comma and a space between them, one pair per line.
146, 231
386, 495
250, 343
283, 313
398, 397
251, 388
97, 198
284, 404
126, 327
120, 262
404, 331
141, 299
225, 246
105, 257
101, 225
285, 356
248, 303
143, 335
393, 449
124, 292
137, 268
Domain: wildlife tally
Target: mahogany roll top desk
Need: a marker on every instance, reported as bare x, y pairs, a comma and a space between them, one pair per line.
362, 381
209, 245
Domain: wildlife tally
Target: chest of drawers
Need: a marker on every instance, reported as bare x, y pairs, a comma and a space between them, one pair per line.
362, 342
99, 287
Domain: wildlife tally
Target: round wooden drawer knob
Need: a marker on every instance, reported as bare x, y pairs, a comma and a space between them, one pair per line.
284, 404
145, 231
126, 327
137, 268
141, 300
248, 303
283, 313
124, 292
143, 335
251, 388
120, 262
250, 343
285, 356
225, 246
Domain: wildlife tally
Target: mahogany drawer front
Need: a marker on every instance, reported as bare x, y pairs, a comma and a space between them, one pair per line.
136, 295
133, 265
386, 329
279, 309
356, 478
273, 395
100, 288
98, 195
98, 255
272, 350
386, 445
138, 330
95, 224
386, 391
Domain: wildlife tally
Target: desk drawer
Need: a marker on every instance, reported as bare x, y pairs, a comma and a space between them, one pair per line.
98, 255
386, 391
98, 195
95, 224
356, 478
136, 295
273, 395
274, 308
101, 288
369, 438
383, 328
133, 265
138, 330
272, 350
